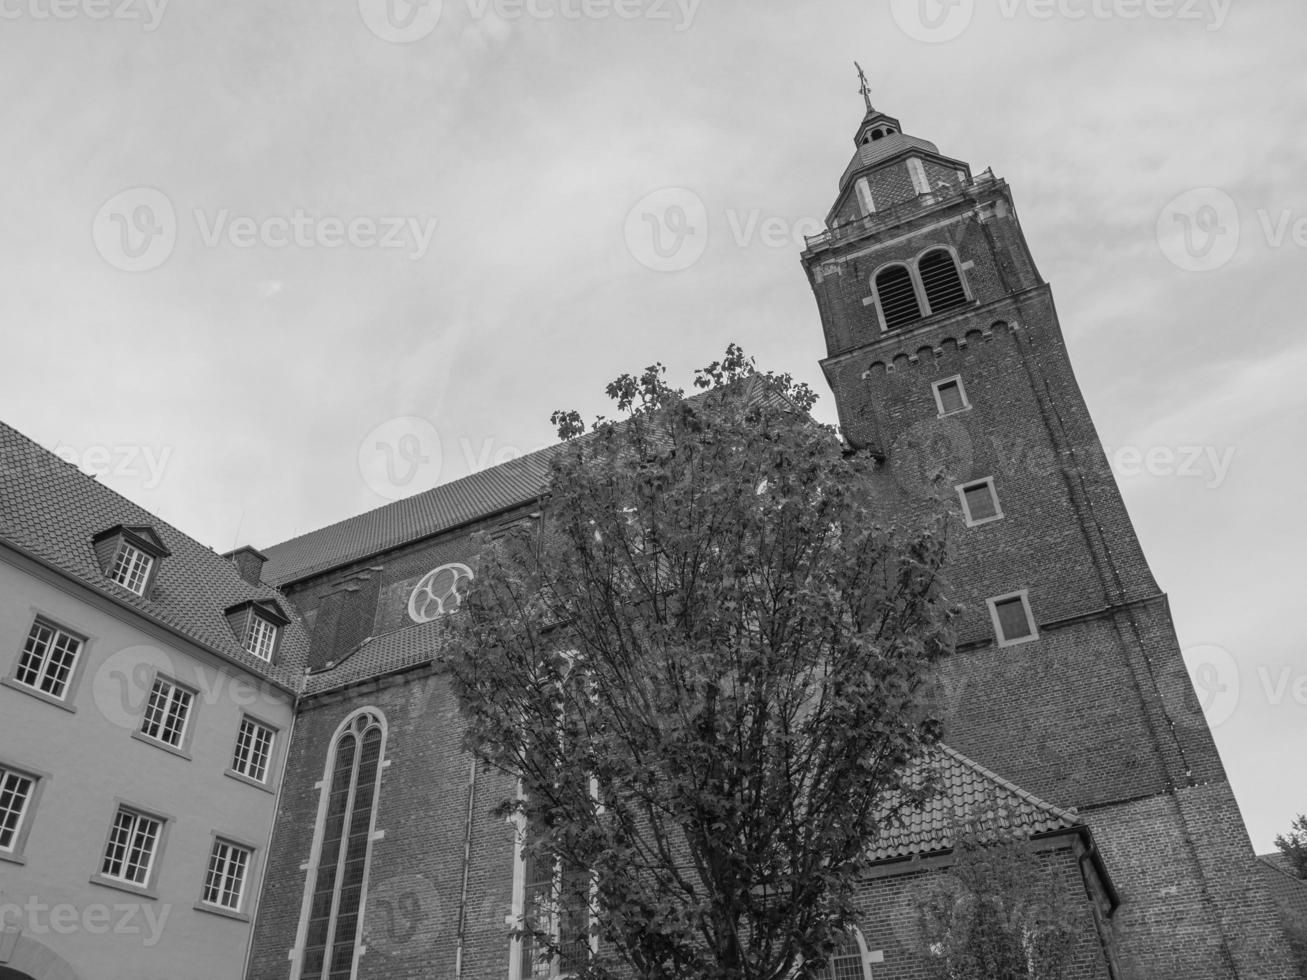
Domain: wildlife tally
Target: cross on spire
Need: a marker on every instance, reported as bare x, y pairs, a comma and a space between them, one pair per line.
866, 86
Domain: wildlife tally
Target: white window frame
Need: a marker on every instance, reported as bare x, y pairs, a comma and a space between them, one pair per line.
939, 400
242, 765
132, 565
175, 695
17, 833
962, 489
42, 667
261, 637
138, 817
218, 874
1024, 596
868, 957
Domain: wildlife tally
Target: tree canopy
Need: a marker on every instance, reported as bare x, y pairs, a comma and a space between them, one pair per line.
707, 665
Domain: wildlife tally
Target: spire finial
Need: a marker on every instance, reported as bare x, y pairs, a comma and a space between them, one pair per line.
866, 86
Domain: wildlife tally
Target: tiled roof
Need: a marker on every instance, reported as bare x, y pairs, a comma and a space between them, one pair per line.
519, 481
1286, 888
381, 655
441, 508
50, 510
967, 792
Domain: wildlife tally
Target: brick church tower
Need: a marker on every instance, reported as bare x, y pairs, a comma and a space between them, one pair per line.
947, 360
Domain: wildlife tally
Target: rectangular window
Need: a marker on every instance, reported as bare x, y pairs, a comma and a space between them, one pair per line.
253, 750
167, 712
131, 568
1012, 620
15, 795
950, 396
47, 660
556, 914
224, 882
865, 201
262, 637
980, 502
133, 842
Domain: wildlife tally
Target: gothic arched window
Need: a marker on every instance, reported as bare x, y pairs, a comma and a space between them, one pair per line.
849, 961
341, 848
941, 280
898, 297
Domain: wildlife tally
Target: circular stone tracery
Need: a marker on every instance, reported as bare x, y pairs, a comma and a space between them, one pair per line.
437, 593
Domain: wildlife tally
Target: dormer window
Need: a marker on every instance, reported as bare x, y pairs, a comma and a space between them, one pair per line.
262, 637
131, 569
257, 626
130, 557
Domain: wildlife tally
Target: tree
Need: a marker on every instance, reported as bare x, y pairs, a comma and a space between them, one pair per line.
707, 666
1294, 846
996, 913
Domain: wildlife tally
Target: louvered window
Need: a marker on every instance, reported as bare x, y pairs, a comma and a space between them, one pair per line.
942, 282
898, 297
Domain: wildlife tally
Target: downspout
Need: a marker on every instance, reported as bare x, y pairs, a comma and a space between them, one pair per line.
467, 866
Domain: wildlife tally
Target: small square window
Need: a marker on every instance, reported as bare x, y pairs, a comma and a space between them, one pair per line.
48, 658
167, 712
951, 396
262, 637
253, 750
224, 881
15, 797
131, 568
979, 502
1013, 622
133, 844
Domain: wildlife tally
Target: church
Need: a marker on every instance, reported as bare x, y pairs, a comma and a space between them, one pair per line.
1067, 698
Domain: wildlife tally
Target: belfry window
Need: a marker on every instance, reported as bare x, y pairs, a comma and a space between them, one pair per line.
942, 281
343, 846
898, 297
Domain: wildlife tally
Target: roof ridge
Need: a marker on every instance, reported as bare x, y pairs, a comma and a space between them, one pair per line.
415, 496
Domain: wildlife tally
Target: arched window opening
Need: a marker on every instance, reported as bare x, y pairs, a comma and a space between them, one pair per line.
942, 281
344, 833
898, 297
877, 134
849, 961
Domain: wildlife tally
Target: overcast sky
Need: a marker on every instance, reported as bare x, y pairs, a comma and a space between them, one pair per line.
245, 243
